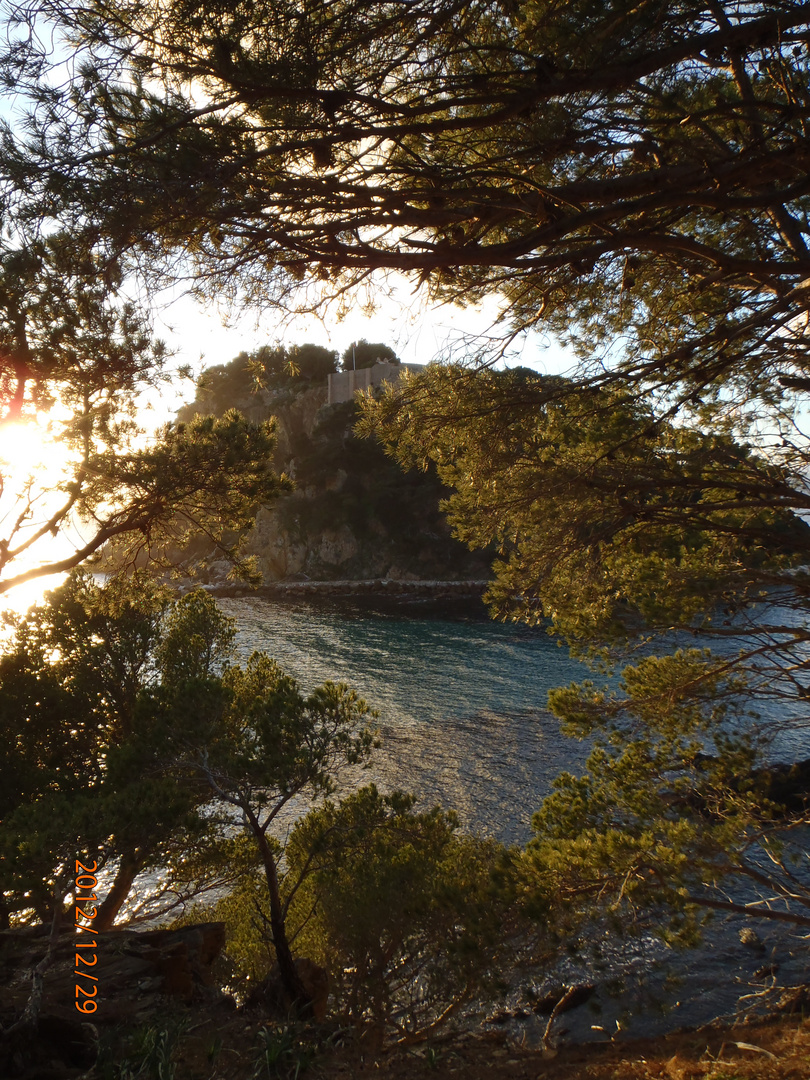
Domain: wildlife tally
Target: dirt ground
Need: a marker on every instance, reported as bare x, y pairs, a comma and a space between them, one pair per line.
775, 1050
763, 1052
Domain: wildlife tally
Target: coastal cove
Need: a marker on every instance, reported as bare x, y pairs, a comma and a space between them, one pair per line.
405, 541
461, 699
463, 723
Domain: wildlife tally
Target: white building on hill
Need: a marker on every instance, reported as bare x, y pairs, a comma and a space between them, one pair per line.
344, 384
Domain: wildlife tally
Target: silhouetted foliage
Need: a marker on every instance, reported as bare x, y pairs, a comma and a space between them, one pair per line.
364, 354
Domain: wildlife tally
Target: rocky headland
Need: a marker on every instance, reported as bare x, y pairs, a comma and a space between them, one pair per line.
353, 516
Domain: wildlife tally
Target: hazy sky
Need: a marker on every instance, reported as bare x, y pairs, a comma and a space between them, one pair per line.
204, 336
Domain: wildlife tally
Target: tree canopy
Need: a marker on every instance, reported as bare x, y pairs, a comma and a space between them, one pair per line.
623, 531
593, 497
630, 178
363, 354
400, 908
244, 381
84, 743
584, 160
76, 356
677, 814
129, 737
267, 745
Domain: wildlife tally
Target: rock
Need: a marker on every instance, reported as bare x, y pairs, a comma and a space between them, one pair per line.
750, 938
337, 546
787, 784
271, 996
575, 997
336, 482
72, 1041
352, 513
217, 572
59, 1046
134, 970
205, 940
173, 968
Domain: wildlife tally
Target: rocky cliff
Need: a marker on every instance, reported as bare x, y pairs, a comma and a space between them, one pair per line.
354, 514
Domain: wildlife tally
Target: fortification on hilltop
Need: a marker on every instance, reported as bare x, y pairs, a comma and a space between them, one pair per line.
344, 384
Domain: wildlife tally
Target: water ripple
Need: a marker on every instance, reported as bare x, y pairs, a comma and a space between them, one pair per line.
462, 704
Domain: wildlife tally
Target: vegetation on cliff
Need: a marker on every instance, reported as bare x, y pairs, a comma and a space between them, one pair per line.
353, 513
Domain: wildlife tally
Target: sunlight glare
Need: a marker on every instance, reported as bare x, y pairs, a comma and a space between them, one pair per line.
31, 465
19, 599
26, 447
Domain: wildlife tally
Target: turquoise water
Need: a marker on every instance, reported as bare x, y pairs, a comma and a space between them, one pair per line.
464, 724
462, 716
461, 699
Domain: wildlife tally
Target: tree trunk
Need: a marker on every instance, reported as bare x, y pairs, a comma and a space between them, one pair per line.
25, 1027
290, 979
107, 910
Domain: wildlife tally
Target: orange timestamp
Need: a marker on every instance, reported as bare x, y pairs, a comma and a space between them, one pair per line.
86, 956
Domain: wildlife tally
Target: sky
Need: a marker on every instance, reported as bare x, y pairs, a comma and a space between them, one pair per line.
201, 336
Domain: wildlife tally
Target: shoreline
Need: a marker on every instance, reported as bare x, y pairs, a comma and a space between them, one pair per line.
366, 587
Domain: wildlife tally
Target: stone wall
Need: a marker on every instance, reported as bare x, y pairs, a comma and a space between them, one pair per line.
344, 384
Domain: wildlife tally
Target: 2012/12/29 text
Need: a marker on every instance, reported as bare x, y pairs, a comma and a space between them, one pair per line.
86, 954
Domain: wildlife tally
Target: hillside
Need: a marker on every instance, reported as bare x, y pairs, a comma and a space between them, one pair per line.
353, 513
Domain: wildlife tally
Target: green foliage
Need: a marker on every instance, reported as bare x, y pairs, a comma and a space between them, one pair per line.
196, 637
283, 1054
629, 177
253, 739
150, 1055
247, 381
312, 362
586, 160
615, 520
365, 354
163, 727
272, 742
83, 747
607, 517
75, 356
398, 907
433, 1058
213, 473
675, 810
246, 913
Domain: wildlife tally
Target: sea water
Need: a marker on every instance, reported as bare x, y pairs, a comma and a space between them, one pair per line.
464, 724
461, 700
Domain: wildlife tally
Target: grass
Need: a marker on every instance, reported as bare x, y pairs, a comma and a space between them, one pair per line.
283, 1054
236, 1047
